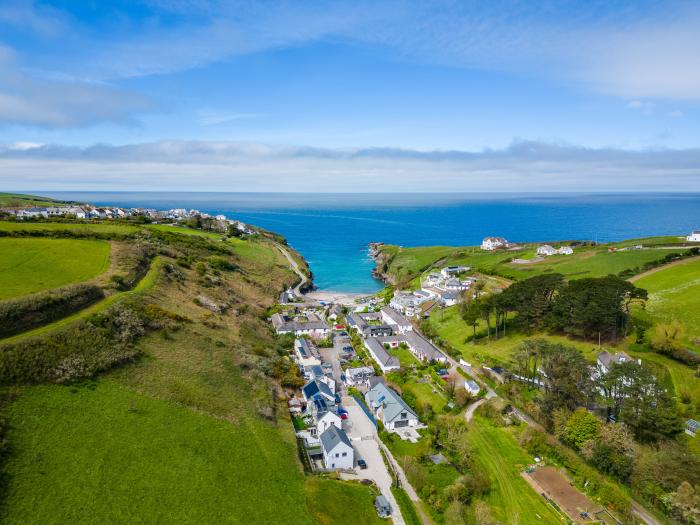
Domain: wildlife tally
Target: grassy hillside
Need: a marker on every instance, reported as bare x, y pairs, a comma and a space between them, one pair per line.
512, 501
21, 200
129, 457
193, 430
674, 293
404, 265
32, 265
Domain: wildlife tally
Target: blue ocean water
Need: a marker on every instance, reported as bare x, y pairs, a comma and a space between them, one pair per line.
332, 230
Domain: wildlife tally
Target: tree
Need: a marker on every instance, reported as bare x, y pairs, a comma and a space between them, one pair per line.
532, 299
646, 407
566, 378
613, 451
581, 426
527, 359
668, 337
470, 312
595, 307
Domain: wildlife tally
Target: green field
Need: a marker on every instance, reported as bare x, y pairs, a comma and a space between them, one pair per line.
450, 326
105, 454
331, 502
22, 200
149, 280
674, 293
587, 261
511, 499
35, 264
184, 231
77, 227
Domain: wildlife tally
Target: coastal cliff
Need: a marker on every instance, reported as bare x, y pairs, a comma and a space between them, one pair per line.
382, 259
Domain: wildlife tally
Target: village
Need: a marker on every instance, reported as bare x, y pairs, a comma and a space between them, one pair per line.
351, 356
219, 223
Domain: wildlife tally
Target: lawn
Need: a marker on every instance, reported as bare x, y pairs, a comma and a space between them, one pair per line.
450, 326
404, 355
105, 454
674, 293
511, 498
184, 230
333, 502
35, 264
80, 228
586, 261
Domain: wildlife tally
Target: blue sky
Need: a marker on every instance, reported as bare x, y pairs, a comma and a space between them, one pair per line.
293, 94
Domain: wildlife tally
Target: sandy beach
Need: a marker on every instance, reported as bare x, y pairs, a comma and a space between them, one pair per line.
329, 296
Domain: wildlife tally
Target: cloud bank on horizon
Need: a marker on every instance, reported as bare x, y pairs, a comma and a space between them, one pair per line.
392, 95
230, 166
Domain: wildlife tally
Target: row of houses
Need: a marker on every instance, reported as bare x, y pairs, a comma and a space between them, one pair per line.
88, 211
306, 324
389, 329
547, 250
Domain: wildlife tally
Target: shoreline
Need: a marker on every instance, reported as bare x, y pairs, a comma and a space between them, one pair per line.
330, 296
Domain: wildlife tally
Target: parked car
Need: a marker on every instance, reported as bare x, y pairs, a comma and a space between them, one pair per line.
362, 464
343, 416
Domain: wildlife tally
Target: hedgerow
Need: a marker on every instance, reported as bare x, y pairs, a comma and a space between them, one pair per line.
24, 313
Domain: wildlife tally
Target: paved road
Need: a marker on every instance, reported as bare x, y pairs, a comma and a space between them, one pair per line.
364, 438
295, 267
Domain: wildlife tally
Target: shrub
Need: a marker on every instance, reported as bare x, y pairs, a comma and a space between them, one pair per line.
24, 313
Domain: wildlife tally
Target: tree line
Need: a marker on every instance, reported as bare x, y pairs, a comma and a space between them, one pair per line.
585, 308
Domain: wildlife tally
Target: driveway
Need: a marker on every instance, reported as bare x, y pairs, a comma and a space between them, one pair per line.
363, 436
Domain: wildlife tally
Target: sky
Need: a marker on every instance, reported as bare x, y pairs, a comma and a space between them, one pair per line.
505, 95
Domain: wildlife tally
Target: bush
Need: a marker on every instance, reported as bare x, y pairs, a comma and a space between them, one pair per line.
78, 351
25, 313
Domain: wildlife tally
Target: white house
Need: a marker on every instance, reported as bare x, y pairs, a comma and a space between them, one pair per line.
606, 360
389, 408
394, 319
694, 236
386, 361
546, 250
34, 211
326, 421
337, 449
493, 243
358, 376
306, 353
471, 387
449, 271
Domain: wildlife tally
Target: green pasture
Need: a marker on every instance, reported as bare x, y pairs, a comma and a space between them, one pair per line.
86, 228
332, 502
29, 265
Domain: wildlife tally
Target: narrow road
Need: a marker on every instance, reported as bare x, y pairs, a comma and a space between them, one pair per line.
643, 514
295, 267
469, 412
662, 267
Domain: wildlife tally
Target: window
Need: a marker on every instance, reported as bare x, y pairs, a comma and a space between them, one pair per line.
345, 454
404, 415
337, 455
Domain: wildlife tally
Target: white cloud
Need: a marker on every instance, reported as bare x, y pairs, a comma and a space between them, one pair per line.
29, 100
645, 51
211, 117
238, 166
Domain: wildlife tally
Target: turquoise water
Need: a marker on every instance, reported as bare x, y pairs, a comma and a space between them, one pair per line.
332, 230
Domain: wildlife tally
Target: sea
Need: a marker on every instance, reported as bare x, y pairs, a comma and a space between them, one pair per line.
332, 231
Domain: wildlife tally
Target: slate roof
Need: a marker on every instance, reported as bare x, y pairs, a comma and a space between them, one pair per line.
332, 437
607, 359
395, 316
380, 353
316, 388
382, 395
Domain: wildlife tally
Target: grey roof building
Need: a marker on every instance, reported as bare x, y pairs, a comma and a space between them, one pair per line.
385, 361
389, 408
337, 449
